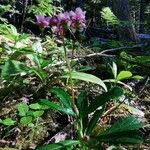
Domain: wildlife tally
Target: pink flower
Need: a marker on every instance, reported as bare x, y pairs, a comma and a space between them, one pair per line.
62, 24
78, 20
53, 20
58, 30
80, 14
42, 21
64, 19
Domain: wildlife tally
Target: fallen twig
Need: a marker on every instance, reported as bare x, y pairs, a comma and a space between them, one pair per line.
100, 54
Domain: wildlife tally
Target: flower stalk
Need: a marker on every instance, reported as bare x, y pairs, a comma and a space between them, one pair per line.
70, 77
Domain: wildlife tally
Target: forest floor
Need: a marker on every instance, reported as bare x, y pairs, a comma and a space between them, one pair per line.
56, 126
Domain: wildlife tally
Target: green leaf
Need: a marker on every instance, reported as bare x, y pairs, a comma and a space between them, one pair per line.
109, 16
60, 146
143, 59
14, 30
124, 124
35, 106
30, 113
124, 131
86, 77
93, 122
26, 120
38, 113
101, 100
63, 96
114, 70
137, 77
124, 75
57, 107
23, 109
124, 139
82, 103
35, 58
40, 73
119, 82
13, 67
8, 122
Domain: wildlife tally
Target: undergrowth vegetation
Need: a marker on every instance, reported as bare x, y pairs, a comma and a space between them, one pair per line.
60, 90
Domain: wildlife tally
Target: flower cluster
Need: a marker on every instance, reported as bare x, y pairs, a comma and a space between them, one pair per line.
73, 20
42, 21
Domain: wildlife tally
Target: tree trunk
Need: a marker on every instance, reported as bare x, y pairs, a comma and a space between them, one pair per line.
122, 11
142, 15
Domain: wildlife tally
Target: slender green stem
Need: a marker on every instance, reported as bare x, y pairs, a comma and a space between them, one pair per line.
78, 124
70, 78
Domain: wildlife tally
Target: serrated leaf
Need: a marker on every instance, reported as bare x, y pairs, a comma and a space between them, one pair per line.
8, 122
86, 77
23, 109
26, 120
124, 75
63, 96
60, 146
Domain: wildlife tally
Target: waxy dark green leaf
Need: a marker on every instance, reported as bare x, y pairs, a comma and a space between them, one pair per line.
60, 146
101, 100
63, 96
125, 131
57, 107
